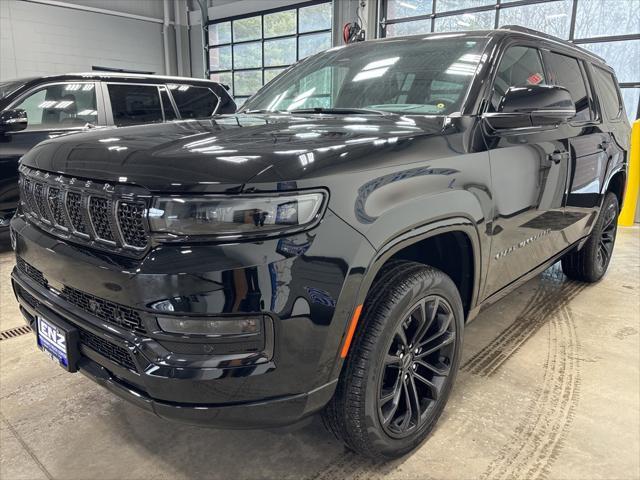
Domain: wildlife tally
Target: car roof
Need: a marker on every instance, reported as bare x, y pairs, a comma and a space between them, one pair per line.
506, 31
119, 76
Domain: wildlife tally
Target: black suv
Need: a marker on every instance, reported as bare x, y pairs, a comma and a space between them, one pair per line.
40, 108
323, 249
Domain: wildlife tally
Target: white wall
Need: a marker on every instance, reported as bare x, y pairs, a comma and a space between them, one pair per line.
38, 39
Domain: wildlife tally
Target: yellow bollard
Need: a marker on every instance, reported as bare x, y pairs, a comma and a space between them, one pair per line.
633, 181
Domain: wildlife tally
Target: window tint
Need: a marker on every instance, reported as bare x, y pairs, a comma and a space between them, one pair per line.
607, 93
566, 72
167, 108
520, 66
194, 102
134, 104
62, 105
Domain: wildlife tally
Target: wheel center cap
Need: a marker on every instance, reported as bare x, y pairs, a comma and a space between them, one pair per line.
407, 361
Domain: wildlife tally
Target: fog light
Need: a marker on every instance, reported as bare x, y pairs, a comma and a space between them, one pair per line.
212, 326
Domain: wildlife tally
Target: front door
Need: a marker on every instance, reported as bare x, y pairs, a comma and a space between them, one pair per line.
529, 177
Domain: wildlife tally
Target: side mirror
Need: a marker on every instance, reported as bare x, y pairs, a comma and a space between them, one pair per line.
533, 106
13, 120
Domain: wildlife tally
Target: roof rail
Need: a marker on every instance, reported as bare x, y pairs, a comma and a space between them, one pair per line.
531, 31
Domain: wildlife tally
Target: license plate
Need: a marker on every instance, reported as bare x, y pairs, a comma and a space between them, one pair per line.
59, 342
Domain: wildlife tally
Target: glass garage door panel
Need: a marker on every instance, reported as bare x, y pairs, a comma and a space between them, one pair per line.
449, 5
220, 33
280, 24
408, 28
247, 55
408, 8
313, 43
315, 17
630, 97
247, 29
279, 52
247, 83
553, 18
466, 21
220, 58
623, 56
614, 17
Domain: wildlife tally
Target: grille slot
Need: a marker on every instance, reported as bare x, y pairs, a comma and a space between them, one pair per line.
76, 212
106, 310
100, 210
38, 195
115, 353
130, 217
95, 214
54, 198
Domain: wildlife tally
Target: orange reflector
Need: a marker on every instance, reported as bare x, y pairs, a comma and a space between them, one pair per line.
352, 330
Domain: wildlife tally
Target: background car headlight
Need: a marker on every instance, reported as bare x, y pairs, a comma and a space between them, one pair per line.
235, 216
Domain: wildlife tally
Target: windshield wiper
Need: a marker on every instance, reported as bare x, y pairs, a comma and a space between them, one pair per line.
340, 111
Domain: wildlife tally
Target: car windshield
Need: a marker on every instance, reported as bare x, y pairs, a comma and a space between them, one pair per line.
424, 75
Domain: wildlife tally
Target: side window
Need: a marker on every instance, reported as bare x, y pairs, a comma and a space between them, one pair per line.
566, 72
167, 108
63, 105
135, 104
607, 93
520, 66
194, 102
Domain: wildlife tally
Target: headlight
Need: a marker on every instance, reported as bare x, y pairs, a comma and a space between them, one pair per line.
235, 216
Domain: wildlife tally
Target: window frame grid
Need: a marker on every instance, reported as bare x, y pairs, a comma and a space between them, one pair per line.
262, 40
498, 6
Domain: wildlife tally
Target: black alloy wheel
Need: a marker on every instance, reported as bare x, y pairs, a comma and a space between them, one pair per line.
416, 364
590, 263
402, 363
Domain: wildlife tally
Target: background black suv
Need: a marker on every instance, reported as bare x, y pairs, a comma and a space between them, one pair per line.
323, 249
77, 102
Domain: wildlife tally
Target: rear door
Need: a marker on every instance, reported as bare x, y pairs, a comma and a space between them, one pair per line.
588, 145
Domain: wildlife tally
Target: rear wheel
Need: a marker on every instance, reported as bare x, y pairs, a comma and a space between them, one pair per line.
402, 364
590, 263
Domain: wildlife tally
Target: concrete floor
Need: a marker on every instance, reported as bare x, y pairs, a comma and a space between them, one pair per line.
549, 388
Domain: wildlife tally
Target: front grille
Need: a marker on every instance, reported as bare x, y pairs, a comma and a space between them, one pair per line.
97, 214
106, 310
115, 353
30, 299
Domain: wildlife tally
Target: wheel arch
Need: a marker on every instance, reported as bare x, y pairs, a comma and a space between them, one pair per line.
617, 184
457, 237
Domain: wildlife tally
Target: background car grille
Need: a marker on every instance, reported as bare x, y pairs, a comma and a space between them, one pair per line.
106, 310
85, 211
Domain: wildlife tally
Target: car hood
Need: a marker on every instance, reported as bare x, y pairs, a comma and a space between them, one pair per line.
225, 153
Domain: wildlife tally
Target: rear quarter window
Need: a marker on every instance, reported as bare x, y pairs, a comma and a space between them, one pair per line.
608, 94
194, 102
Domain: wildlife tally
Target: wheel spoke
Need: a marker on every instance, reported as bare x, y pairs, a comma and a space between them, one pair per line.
395, 398
438, 371
441, 331
430, 385
403, 336
416, 400
409, 412
434, 348
428, 317
392, 360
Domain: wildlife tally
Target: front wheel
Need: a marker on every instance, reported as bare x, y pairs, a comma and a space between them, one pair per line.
590, 263
402, 364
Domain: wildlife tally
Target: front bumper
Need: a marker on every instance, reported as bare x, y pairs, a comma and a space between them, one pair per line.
306, 295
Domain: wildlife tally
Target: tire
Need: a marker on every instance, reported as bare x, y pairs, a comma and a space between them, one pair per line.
367, 412
590, 263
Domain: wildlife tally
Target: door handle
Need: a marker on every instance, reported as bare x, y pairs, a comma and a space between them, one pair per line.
557, 157
604, 144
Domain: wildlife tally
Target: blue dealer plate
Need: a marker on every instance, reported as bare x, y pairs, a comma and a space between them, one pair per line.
53, 341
